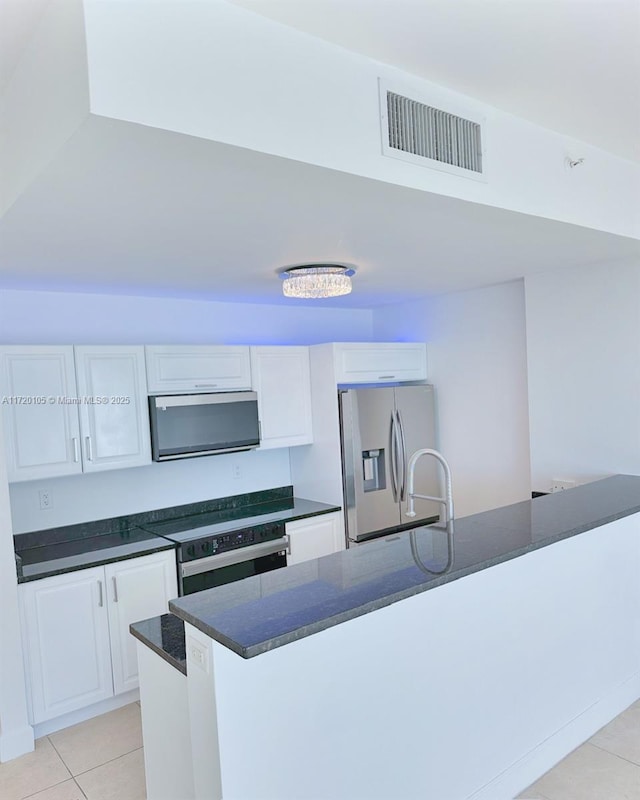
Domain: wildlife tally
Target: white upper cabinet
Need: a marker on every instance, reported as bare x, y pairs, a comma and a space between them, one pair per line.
42, 434
68, 410
377, 362
280, 376
115, 419
198, 368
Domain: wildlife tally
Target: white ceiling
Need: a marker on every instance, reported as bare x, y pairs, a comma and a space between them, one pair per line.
569, 65
219, 221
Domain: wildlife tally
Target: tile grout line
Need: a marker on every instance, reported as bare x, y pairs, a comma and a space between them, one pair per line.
80, 789
66, 766
46, 788
110, 761
612, 753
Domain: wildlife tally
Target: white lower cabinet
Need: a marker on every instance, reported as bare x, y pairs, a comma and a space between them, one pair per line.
66, 639
78, 650
138, 589
314, 537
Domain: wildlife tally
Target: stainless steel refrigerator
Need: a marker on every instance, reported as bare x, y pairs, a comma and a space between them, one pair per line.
380, 428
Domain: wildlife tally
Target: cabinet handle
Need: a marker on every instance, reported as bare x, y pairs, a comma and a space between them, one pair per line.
88, 448
206, 385
115, 589
100, 596
385, 377
76, 449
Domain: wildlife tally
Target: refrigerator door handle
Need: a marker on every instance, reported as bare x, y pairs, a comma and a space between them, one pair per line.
403, 459
393, 458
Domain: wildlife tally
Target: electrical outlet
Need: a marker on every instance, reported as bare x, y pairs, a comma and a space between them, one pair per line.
236, 471
46, 499
560, 484
198, 655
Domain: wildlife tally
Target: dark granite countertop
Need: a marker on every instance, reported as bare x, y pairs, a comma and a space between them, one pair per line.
54, 551
56, 558
260, 613
164, 635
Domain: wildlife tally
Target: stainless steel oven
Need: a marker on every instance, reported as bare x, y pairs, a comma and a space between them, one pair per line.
205, 561
205, 573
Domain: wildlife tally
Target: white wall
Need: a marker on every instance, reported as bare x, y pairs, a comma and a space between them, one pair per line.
477, 362
583, 343
80, 498
66, 318
16, 735
29, 317
216, 71
46, 99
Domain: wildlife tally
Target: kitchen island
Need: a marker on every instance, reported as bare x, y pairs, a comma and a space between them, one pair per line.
437, 664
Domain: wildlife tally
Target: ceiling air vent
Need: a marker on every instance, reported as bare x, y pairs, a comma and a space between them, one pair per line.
421, 133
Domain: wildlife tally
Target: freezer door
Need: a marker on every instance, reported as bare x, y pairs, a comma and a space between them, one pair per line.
367, 429
415, 412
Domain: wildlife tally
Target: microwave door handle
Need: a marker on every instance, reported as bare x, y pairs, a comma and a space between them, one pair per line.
236, 556
204, 399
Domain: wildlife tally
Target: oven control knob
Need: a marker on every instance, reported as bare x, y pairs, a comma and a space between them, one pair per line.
205, 547
191, 551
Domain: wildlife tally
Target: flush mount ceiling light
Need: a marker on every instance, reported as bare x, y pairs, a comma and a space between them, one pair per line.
316, 280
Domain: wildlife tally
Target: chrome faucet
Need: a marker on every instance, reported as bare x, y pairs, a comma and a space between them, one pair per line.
447, 500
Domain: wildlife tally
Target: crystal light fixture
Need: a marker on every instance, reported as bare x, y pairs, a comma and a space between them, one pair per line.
316, 280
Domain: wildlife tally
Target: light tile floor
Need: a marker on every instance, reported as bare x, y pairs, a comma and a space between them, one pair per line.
607, 767
101, 759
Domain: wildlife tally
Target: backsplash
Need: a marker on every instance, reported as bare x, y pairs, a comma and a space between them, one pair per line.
83, 498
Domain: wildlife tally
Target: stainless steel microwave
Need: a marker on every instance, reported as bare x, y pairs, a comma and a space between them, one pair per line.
189, 425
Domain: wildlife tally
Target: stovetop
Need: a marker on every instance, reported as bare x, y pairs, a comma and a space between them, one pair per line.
201, 526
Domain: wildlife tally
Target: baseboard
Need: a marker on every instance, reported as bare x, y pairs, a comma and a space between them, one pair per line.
548, 753
83, 714
16, 743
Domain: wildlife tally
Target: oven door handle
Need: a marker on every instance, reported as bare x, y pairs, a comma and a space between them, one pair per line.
237, 556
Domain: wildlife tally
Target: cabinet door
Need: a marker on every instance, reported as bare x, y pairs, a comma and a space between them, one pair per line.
202, 368
357, 362
66, 637
315, 537
40, 414
137, 589
281, 379
114, 413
